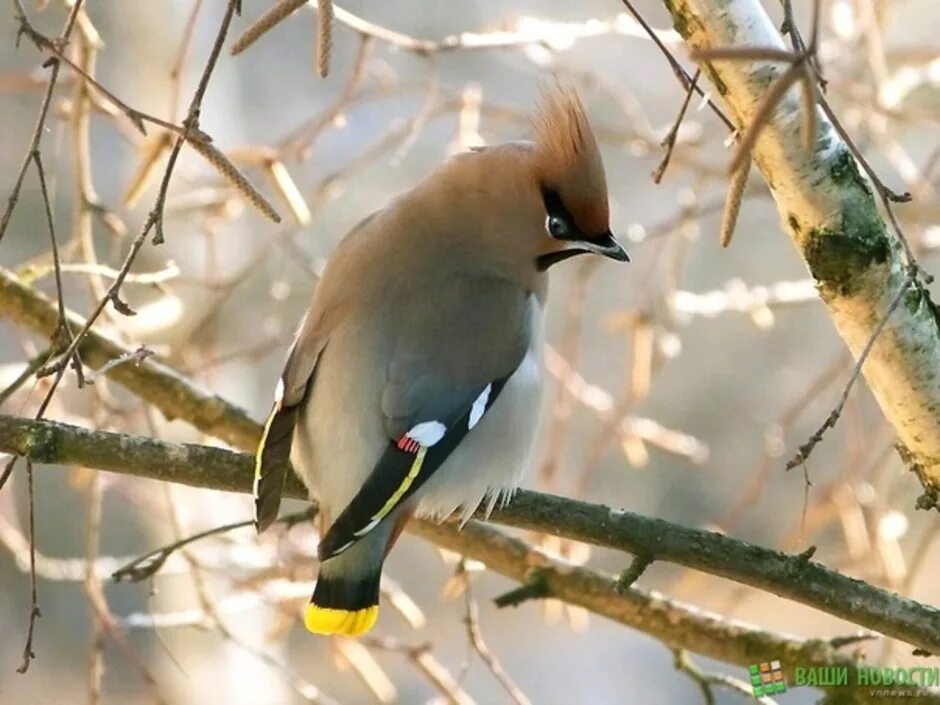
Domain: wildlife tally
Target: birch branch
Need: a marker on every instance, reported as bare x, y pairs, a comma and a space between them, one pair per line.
832, 217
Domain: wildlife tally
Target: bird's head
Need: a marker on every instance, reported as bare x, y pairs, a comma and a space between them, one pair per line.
516, 209
572, 187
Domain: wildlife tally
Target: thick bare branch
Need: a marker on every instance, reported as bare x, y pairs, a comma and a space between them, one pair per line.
676, 624
794, 577
159, 384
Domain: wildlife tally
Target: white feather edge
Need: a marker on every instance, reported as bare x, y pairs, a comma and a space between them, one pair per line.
479, 406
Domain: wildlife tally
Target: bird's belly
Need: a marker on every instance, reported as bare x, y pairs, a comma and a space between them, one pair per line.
491, 459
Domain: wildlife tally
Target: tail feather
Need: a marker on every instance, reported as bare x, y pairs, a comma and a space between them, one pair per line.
342, 605
346, 598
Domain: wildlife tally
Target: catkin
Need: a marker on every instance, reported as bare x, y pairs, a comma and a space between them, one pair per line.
324, 36
270, 19
231, 173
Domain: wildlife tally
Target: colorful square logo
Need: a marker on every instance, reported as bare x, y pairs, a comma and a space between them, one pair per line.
767, 678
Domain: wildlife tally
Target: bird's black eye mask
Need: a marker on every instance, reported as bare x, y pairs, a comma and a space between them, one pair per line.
559, 222
560, 225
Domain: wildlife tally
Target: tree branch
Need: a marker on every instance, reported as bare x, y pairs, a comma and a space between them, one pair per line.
793, 577
788, 576
676, 624
833, 219
174, 395
222, 469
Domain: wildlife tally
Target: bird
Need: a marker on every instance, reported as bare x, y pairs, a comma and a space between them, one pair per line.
412, 386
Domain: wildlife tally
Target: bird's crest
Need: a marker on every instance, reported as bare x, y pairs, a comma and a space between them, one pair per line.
567, 159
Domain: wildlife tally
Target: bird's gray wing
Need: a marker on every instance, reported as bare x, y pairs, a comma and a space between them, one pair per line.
425, 421
272, 459
463, 343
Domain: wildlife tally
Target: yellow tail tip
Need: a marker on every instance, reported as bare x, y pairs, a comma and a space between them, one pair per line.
327, 620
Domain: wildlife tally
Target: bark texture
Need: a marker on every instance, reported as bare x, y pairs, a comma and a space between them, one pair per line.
833, 219
795, 577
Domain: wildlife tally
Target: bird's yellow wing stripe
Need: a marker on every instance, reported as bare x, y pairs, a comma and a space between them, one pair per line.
403, 487
259, 454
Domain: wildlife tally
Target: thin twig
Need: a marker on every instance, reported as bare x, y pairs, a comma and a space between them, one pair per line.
34, 364
50, 223
148, 564
34, 141
707, 681
137, 117
806, 449
299, 143
34, 613
155, 218
475, 637
94, 505
137, 356
182, 52
632, 573
677, 69
670, 141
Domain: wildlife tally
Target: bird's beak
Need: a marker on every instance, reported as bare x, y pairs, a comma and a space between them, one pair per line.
606, 245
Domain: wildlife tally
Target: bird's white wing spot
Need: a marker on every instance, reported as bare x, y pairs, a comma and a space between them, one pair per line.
279, 392
368, 527
427, 433
479, 406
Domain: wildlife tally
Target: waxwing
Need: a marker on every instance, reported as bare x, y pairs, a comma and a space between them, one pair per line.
412, 386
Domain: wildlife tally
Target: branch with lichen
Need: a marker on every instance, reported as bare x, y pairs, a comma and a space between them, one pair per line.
676, 624
831, 214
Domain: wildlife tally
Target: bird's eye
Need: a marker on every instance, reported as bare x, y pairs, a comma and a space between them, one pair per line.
556, 226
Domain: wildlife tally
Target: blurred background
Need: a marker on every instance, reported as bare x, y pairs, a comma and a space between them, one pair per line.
679, 385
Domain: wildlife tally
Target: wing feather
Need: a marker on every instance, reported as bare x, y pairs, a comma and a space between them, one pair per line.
272, 459
404, 467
